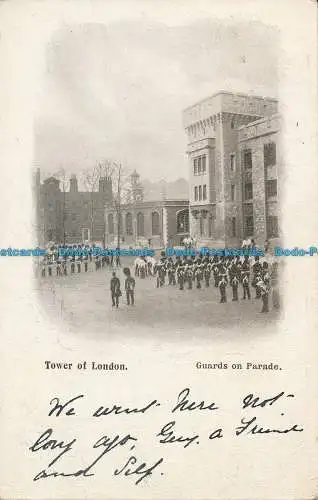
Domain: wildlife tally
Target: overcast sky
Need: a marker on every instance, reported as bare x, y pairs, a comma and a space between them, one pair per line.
117, 92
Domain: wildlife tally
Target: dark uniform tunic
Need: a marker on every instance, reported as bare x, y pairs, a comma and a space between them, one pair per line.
130, 289
115, 290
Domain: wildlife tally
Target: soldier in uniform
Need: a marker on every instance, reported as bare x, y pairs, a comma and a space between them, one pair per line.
162, 274
246, 286
257, 274
64, 267
222, 287
96, 262
86, 263
173, 274
207, 274
198, 273
43, 270
117, 257
169, 270
222, 270
156, 273
142, 268
180, 277
234, 284
190, 276
130, 284
49, 268
58, 267
264, 291
115, 290
215, 270
275, 286
104, 259
235, 277
72, 266
245, 276
160, 271
266, 246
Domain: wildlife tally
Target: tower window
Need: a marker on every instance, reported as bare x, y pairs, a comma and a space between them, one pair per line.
269, 154
140, 224
129, 224
271, 187
248, 191
155, 224
195, 166
204, 191
247, 159
200, 193
199, 165
249, 225
203, 165
232, 162
196, 193
272, 226
232, 192
183, 221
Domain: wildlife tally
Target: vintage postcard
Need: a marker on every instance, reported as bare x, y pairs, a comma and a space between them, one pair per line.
159, 249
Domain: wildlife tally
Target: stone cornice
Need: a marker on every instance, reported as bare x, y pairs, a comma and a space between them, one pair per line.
263, 127
155, 205
205, 129
226, 102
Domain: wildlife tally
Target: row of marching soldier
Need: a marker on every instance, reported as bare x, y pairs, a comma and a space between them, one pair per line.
55, 264
224, 273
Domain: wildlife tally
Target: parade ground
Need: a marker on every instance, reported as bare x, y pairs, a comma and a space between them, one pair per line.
82, 301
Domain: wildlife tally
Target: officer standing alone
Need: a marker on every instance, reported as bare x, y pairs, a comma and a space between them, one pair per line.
130, 284
115, 290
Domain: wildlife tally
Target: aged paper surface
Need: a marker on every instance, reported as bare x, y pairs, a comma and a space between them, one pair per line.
182, 395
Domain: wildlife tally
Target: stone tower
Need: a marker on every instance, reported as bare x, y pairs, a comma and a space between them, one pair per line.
215, 179
105, 188
73, 184
137, 190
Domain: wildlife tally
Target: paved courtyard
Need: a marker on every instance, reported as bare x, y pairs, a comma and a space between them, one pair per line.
83, 302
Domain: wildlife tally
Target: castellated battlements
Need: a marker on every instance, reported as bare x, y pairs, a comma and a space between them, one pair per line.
208, 111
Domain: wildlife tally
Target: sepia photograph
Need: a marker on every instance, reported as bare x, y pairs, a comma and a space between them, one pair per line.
157, 173
159, 249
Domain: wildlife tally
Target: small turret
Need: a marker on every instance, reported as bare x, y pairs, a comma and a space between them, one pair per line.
73, 184
105, 186
137, 190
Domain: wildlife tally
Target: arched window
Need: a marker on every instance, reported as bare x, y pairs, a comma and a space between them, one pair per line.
129, 224
183, 221
140, 224
155, 224
110, 222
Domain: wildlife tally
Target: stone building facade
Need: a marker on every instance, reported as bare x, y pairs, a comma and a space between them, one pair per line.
158, 224
72, 216
261, 164
218, 131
